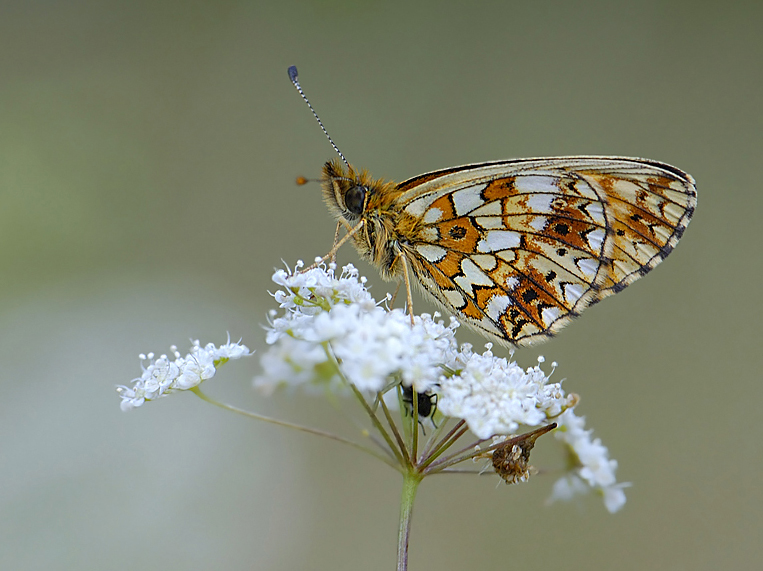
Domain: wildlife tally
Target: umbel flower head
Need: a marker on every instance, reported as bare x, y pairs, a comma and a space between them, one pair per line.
327, 318
332, 335
164, 376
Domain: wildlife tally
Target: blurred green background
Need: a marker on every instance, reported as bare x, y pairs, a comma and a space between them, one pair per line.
147, 158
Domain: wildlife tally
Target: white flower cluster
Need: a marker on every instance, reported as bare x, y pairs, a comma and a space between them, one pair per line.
594, 469
494, 396
327, 318
329, 321
164, 376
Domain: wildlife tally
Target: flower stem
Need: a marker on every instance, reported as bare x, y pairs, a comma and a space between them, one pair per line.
396, 433
458, 431
374, 419
378, 425
411, 483
198, 392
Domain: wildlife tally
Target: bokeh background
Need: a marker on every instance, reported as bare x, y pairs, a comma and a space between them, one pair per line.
148, 152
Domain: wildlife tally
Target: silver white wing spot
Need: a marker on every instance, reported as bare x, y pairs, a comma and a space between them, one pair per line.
467, 199
497, 240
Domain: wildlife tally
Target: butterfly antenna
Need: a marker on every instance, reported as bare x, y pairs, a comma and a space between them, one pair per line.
295, 81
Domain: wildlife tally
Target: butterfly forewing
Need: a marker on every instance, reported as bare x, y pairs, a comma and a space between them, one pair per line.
520, 247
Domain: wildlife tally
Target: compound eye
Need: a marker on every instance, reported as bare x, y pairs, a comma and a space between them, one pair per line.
354, 199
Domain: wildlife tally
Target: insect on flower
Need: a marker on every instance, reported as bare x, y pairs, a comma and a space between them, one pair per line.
426, 403
515, 248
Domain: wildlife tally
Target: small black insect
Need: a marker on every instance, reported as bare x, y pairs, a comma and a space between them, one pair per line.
427, 403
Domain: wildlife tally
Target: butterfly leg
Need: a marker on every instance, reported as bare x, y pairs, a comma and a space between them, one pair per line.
336, 239
408, 294
337, 245
394, 296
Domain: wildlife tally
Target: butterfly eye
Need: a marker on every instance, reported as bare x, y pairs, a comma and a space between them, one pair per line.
354, 199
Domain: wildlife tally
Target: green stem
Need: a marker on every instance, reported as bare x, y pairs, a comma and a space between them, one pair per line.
415, 426
372, 415
433, 438
411, 483
198, 392
459, 430
396, 433
445, 441
378, 425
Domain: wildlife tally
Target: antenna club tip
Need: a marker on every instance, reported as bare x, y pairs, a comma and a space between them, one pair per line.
302, 181
293, 72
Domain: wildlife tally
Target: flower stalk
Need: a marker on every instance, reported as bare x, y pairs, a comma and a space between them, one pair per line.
411, 482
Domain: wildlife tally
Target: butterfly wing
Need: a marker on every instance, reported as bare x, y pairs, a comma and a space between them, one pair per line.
518, 248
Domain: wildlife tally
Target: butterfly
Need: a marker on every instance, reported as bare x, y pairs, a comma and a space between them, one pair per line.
515, 248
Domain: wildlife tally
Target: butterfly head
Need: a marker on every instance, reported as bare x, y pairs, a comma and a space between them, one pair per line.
365, 207
345, 191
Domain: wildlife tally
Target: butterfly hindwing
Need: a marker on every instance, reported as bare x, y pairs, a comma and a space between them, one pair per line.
518, 248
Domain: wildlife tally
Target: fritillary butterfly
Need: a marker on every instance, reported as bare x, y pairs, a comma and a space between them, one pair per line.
515, 248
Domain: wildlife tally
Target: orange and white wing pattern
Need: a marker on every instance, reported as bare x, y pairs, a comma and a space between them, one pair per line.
518, 248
